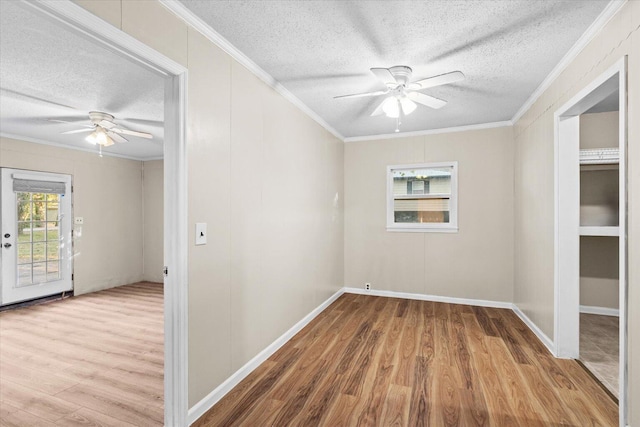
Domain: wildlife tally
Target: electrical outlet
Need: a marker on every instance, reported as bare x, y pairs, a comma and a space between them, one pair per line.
367, 286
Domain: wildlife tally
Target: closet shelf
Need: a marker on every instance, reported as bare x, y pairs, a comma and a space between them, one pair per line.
599, 156
612, 230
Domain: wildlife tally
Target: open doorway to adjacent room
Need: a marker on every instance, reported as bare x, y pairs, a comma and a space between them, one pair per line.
591, 231
82, 313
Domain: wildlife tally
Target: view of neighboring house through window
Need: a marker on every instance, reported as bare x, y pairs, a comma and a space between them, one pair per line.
422, 197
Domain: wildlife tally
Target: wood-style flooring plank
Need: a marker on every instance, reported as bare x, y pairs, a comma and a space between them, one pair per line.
90, 360
24, 419
373, 361
45, 406
85, 417
108, 403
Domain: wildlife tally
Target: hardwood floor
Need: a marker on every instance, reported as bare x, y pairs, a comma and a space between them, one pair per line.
373, 361
599, 348
92, 360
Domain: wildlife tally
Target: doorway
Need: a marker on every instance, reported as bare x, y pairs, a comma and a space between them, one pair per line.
587, 222
77, 19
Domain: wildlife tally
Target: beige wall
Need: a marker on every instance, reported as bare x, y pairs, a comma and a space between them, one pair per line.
223, 278
153, 222
108, 195
599, 130
534, 207
268, 181
476, 262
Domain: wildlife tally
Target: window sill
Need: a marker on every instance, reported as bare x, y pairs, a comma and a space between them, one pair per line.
448, 229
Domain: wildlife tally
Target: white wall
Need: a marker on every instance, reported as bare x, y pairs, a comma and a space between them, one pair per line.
153, 222
534, 206
108, 195
477, 261
267, 179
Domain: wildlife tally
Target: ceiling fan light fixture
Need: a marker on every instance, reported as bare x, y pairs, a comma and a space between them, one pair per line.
408, 106
99, 137
391, 107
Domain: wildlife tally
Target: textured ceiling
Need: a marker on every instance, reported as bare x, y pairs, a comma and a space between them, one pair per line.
320, 49
50, 72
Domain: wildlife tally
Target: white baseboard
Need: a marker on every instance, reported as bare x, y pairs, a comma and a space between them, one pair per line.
218, 393
536, 330
602, 311
435, 298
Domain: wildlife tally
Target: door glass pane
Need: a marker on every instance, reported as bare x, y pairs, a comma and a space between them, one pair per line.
24, 231
38, 232
53, 271
52, 231
39, 272
24, 206
24, 274
39, 207
53, 250
52, 207
38, 251
24, 253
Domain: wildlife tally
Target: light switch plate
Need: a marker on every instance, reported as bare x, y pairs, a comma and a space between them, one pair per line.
78, 220
201, 233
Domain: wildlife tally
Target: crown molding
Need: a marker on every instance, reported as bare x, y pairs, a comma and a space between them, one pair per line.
605, 16
430, 131
191, 19
71, 147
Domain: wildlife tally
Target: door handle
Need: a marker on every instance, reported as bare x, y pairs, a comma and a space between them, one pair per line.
7, 245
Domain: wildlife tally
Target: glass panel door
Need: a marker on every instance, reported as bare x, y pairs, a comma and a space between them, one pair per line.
36, 236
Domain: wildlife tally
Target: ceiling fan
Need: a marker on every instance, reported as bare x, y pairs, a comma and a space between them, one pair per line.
403, 94
104, 131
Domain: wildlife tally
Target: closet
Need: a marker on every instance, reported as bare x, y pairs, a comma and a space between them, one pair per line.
599, 244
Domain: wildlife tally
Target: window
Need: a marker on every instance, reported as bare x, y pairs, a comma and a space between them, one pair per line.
423, 197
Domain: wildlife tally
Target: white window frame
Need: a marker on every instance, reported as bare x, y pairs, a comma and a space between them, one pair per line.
450, 227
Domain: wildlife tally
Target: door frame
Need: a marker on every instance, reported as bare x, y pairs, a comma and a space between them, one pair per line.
175, 188
567, 219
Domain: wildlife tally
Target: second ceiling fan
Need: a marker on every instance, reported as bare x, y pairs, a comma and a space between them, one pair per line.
403, 94
104, 131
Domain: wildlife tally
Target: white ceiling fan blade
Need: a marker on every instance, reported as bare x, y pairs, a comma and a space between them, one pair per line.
106, 124
132, 133
378, 111
69, 132
116, 137
384, 75
442, 79
427, 100
74, 122
359, 95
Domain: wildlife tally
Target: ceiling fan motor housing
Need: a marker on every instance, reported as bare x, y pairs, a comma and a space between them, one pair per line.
401, 73
97, 116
